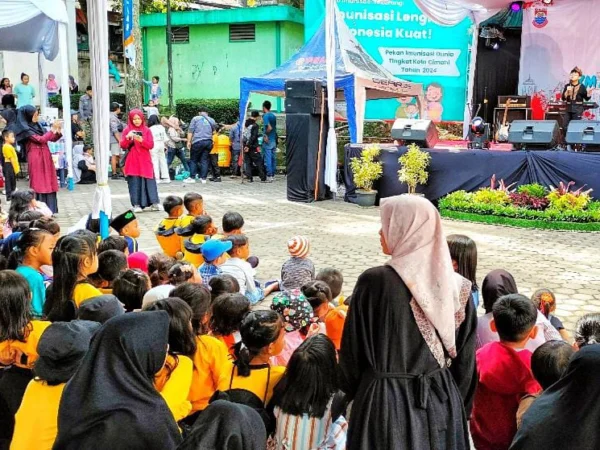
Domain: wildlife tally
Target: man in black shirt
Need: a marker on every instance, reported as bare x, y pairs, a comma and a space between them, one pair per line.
252, 148
574, 94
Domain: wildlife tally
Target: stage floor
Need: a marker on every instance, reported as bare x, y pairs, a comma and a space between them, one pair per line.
463, 145
457, 168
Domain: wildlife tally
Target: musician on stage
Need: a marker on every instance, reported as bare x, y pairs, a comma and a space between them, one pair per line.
574, 94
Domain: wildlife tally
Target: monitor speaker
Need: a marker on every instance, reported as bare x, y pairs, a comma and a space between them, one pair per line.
420, 131
302, 149
534, 134
585, 133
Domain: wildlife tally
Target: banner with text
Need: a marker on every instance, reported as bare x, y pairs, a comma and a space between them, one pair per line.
556, 38
402, 39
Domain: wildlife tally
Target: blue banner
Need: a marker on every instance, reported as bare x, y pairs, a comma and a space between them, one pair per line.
412, 47
128, 39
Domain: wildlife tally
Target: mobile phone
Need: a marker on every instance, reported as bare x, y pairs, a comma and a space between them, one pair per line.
137, 133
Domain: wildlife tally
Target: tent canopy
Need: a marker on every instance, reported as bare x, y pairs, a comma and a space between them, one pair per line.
31, 26
357, 76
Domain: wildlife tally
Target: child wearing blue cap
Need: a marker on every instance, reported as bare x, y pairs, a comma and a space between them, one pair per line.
214, 254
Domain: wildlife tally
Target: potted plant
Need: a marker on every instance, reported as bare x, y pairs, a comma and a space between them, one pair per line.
413, 170
366, 170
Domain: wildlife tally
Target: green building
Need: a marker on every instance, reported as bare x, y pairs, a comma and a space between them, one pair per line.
213, 49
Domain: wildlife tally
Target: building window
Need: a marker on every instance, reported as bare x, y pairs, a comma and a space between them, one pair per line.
180, 35
245, 32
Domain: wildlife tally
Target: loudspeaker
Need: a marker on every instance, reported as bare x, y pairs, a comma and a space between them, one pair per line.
584, 132
534, 134
304, 97
423, 132
302, 147
297, 105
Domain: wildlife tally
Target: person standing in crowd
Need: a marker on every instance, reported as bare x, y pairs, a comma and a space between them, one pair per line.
200, 142
235, 137
52, 86
155, 90
24, 92
86, 110
417, 305
252, 149
159, 159
269, 145
116, 127
73, 86
137, 141
5, 87
77, 134
11, 163
42, 172
175, 143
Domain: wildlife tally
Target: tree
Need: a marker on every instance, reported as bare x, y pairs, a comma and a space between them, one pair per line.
133, 82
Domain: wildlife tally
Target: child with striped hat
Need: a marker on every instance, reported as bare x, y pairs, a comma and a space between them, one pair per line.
298, 270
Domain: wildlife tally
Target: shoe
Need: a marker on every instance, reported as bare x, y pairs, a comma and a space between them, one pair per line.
115, 177
264, 181
165, 181
203, 181
155, 208
270, 179
189, 181
137, 209
249, 180
216, 180
233, 177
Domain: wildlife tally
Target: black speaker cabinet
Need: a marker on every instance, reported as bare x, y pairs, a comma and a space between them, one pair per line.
302, 148
298, 105
303, 88
304, 97
423, 132
585, 133
534, 134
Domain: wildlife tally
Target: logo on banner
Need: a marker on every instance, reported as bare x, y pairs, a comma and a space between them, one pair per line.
540, 18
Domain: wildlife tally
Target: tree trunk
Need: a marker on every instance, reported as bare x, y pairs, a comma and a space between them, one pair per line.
133, 84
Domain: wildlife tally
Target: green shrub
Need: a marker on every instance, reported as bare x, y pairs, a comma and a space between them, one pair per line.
568, 202
491, 197
413, 167
222, 110
534, 190
56, 101
366, 169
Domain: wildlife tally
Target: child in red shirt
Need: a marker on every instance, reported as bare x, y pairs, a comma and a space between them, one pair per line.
504, 370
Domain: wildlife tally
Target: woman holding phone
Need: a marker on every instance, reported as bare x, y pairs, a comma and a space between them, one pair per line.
137, 142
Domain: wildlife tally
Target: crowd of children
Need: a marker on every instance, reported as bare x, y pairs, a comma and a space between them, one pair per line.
103, 346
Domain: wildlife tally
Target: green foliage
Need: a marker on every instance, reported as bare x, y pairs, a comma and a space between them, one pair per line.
521, 223
568, 202
414, 164
56, 101
222, 110
534, 190
365, 169
152, 6
489, 196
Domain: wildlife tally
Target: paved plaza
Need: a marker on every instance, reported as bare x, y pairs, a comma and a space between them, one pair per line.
346, 237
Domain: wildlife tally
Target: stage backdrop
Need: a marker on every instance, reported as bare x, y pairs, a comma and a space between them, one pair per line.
555, 39
400, 37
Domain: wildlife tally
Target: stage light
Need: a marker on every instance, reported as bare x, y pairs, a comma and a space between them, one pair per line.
496, 46
515, 6
478, 125
547, 2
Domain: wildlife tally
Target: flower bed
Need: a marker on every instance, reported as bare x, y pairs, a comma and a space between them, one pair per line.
529, 206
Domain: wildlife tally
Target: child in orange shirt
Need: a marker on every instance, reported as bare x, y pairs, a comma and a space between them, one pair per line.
166, 231
320, 298
228, 311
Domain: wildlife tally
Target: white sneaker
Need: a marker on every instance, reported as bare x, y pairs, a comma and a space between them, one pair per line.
137, 209
189, 180
165, 181
155, 208
203, 181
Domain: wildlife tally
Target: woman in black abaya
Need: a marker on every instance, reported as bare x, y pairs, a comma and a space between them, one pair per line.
566, 415
408, 321
111, 402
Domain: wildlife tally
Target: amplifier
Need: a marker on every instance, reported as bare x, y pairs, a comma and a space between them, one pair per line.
421, 131
534, 134
516, 101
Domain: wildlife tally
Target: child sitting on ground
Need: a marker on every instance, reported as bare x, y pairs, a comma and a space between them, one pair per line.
298, 270
335, 280
110, 265
587, 330
113, 243
545, 301
233, 223
548, 364
320, 298
504, 371
127, 226
213, 252
130, 288
298, 321
202, 229
194, 205
238, 267
223, 284
165, 232
228, 311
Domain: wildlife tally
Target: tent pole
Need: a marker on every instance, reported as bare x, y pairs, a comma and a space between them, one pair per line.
66, 100
43, 95
320, 145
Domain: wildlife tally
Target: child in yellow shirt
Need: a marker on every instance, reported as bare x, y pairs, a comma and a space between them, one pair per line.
165, 232
61, 348
174, 380
202, 229
263, 336
11, 163
194, 204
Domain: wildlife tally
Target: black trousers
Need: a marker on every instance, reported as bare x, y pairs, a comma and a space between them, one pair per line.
10, 180
214, 165
254, 159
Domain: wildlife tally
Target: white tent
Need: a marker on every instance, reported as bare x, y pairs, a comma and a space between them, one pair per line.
40, 26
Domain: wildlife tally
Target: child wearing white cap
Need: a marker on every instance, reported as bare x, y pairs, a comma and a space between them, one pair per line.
298, 270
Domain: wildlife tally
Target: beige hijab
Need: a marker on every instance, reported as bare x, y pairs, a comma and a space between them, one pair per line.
412, 229
171, 122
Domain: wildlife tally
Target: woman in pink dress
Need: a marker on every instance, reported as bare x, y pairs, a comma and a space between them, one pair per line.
137, 141
42, 172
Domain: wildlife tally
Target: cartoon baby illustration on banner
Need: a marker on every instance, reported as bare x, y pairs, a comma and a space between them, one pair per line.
434, 108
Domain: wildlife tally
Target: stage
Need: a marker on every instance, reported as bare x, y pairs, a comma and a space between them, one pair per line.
454, 169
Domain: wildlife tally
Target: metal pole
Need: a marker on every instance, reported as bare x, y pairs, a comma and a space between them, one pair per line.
169, 55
